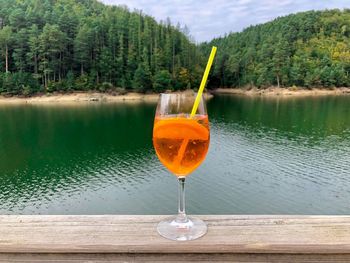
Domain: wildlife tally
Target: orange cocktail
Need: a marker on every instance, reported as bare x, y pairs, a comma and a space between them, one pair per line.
181, 142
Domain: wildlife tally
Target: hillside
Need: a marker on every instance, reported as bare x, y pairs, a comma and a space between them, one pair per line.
309, 49
63, 45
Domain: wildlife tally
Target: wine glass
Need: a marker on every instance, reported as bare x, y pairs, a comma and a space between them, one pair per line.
181, 142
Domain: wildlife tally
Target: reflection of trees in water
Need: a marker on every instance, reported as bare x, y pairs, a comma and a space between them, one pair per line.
273, 160
51, 154
46, 150
318, 117
33, 135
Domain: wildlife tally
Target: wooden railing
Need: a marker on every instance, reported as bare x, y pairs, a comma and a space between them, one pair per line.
230, 238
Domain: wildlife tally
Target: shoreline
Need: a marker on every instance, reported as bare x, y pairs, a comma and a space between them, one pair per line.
84, 97
282, 92
134, 97
79, 97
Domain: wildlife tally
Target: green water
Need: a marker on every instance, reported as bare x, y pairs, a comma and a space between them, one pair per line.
267, 156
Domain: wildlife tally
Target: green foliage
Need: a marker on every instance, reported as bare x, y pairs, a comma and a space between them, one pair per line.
105, 86
162, 81
310, 49
18, 83
86, 45
142, 79
69, 82
183, 80
6, 39
82, 83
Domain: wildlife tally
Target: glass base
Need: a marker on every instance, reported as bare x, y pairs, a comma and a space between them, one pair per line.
182, 230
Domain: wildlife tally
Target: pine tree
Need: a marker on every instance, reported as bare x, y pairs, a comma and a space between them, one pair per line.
6, 39
54, 44
162, 81
83, 47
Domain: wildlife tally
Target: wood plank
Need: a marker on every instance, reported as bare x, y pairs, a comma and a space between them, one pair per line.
171, 258
137, 235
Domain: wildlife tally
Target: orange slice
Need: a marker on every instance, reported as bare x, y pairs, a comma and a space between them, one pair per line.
180, 128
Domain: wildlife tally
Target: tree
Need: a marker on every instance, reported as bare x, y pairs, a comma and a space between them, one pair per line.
83, 47
33, 53
20, 49
142, 78
106, 64
86, 43
120, 64
5, 42
305, 49
51, 47
183, 79
162, 81
281, 61
17, 18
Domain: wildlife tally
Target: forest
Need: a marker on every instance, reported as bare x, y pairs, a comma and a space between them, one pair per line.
68, 45
82, 45
308, 49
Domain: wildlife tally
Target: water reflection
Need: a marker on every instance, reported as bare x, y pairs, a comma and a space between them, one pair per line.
266, 156
318, 116
56, 153
281, 156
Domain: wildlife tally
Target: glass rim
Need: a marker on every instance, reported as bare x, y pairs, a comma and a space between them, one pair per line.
179, 93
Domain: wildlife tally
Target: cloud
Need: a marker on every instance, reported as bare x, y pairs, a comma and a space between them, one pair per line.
208, 19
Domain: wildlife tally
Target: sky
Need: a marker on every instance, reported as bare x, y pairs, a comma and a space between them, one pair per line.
209, 19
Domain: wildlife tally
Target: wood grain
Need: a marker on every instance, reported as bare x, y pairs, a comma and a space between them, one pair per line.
229, 238
119, 258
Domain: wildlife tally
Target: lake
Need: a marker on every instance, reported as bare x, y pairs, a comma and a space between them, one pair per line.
267, 156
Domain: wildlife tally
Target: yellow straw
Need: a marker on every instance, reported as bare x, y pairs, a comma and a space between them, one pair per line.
183, 146
204, 81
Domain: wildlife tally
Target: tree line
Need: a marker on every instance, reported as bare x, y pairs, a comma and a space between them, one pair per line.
66, 45
309, 49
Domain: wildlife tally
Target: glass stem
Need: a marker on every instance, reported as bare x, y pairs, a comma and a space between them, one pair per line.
181, 217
